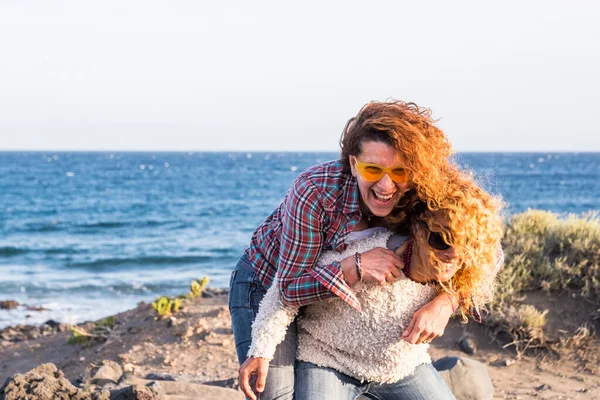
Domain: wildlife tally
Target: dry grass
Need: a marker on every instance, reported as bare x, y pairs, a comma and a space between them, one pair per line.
555, 255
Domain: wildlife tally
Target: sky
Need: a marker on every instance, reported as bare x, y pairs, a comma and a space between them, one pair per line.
271, 75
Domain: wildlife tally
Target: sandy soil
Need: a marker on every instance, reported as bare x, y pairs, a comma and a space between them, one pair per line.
196, 346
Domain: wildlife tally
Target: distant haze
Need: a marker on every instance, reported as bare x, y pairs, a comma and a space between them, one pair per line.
255, 75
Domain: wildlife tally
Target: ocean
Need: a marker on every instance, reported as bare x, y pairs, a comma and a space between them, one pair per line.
86, 235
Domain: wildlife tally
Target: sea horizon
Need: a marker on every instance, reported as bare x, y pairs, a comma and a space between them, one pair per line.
88, 234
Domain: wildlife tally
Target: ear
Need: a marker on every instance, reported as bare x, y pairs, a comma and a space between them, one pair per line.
352, 161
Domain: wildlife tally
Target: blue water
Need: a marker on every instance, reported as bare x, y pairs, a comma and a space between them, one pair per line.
90, 234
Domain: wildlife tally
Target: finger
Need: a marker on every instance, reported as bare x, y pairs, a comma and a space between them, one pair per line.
422, 338
244, 382
397, 261
396, 272
426, 338
414, 336
417, 331
262, 379
408, 331
400, 250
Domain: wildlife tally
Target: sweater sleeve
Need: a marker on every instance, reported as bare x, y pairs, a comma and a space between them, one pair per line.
302, 240
271, 324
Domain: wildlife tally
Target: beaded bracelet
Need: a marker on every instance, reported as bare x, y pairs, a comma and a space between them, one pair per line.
359, 270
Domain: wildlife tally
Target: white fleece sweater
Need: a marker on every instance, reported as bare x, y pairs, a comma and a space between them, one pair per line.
366, 345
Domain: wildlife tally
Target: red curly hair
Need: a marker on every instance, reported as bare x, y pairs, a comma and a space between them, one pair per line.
423, 147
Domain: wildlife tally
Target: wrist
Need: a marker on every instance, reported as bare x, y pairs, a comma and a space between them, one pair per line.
349, 270
448, 302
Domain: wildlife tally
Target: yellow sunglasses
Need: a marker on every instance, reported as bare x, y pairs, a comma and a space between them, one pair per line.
374, 172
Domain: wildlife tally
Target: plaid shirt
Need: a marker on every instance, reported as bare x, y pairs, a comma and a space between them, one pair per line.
318, 212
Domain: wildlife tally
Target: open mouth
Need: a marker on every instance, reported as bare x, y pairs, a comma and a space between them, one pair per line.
382, 199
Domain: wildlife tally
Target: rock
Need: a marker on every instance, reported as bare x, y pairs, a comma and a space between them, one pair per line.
52, 323
184, 390
231, 383
43, 383
128, 367
201, 326
160, 377
134, 329
35, 308
137, 392
467, 379
156, 387
185, 332
508, 362
57, 326
109, 372
172, 321
21, 333
169, 361
467, 345
8, 304
84, 380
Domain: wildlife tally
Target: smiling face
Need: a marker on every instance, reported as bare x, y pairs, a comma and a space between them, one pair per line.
381, 196
431, 264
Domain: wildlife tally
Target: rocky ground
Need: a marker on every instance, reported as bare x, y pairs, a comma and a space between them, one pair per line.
191, 356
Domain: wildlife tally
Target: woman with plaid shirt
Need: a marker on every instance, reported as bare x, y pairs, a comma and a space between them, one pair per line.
391, 155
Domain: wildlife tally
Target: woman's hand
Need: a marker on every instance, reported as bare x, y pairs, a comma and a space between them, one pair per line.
380, 265
430, 321
253, 366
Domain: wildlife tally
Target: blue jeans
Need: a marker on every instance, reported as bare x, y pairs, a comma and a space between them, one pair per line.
320, 383
245, 293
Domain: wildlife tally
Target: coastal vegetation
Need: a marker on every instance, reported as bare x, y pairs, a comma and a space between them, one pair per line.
99, 330
556, 256
104, 329
165, 306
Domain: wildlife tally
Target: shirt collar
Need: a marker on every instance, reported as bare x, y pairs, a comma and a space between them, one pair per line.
350, 196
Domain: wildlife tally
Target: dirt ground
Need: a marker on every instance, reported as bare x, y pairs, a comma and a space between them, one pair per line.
196, 346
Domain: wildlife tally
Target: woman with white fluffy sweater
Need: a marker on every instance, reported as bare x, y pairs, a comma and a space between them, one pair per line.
344, 353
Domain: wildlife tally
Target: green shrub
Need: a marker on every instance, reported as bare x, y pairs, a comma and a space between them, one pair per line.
166, 305
90, 333
108, 322
197, 287
77, 338
523, 324
543, 252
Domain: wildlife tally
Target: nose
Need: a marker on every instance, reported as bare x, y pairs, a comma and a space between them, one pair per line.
386, 183
447, 255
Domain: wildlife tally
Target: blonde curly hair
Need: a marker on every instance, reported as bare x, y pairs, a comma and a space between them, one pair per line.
468, 219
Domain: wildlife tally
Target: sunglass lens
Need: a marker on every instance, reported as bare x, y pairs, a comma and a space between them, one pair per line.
436, 241
372, 173
399, 175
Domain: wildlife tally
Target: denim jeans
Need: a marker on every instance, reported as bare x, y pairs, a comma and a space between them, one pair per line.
320, 383
245, 294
